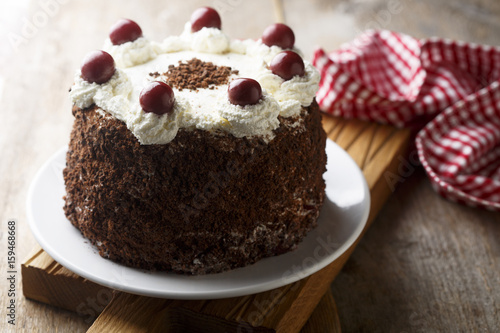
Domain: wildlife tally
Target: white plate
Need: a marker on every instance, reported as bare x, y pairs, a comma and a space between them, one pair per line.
341, 221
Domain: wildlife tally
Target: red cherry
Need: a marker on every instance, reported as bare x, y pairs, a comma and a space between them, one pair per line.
287, 64
205, 17
280, 35
157, 97
244, 92
98, 67
123, 31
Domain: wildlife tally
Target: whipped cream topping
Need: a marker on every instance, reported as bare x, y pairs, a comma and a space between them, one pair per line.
206, 109
132, 53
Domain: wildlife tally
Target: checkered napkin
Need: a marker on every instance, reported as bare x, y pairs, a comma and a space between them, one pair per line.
450, 88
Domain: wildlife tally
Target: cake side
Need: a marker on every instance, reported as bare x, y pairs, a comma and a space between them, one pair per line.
196, 154
203, 203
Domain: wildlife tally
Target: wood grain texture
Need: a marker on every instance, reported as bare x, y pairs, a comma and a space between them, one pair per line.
46, 281
165, 314
425, 264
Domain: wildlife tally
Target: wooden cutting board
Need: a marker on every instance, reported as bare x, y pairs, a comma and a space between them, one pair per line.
377, 149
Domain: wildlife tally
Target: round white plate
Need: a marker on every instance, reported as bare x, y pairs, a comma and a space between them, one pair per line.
341, 221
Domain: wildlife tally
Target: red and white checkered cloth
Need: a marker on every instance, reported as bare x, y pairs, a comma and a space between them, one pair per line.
394, 78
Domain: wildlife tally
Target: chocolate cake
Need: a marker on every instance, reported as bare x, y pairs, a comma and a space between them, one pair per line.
194, 159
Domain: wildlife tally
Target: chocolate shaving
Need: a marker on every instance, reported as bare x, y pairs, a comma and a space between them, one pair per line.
195, 74
202, 203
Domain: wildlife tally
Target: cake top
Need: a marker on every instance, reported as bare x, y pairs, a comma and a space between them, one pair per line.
198, 80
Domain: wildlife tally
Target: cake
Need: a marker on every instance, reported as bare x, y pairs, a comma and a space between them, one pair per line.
197, 154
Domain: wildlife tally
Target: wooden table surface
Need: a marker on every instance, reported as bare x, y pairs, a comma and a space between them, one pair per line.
425, 265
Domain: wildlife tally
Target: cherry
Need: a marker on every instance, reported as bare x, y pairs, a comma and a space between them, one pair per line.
244, 91
123, 31
279, 34
157, 97
287, 64
98, 67
205, 17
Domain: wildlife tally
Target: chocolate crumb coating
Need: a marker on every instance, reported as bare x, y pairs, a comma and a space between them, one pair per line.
203, 203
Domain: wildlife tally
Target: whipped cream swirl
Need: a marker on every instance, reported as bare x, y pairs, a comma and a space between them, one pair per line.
207, 109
